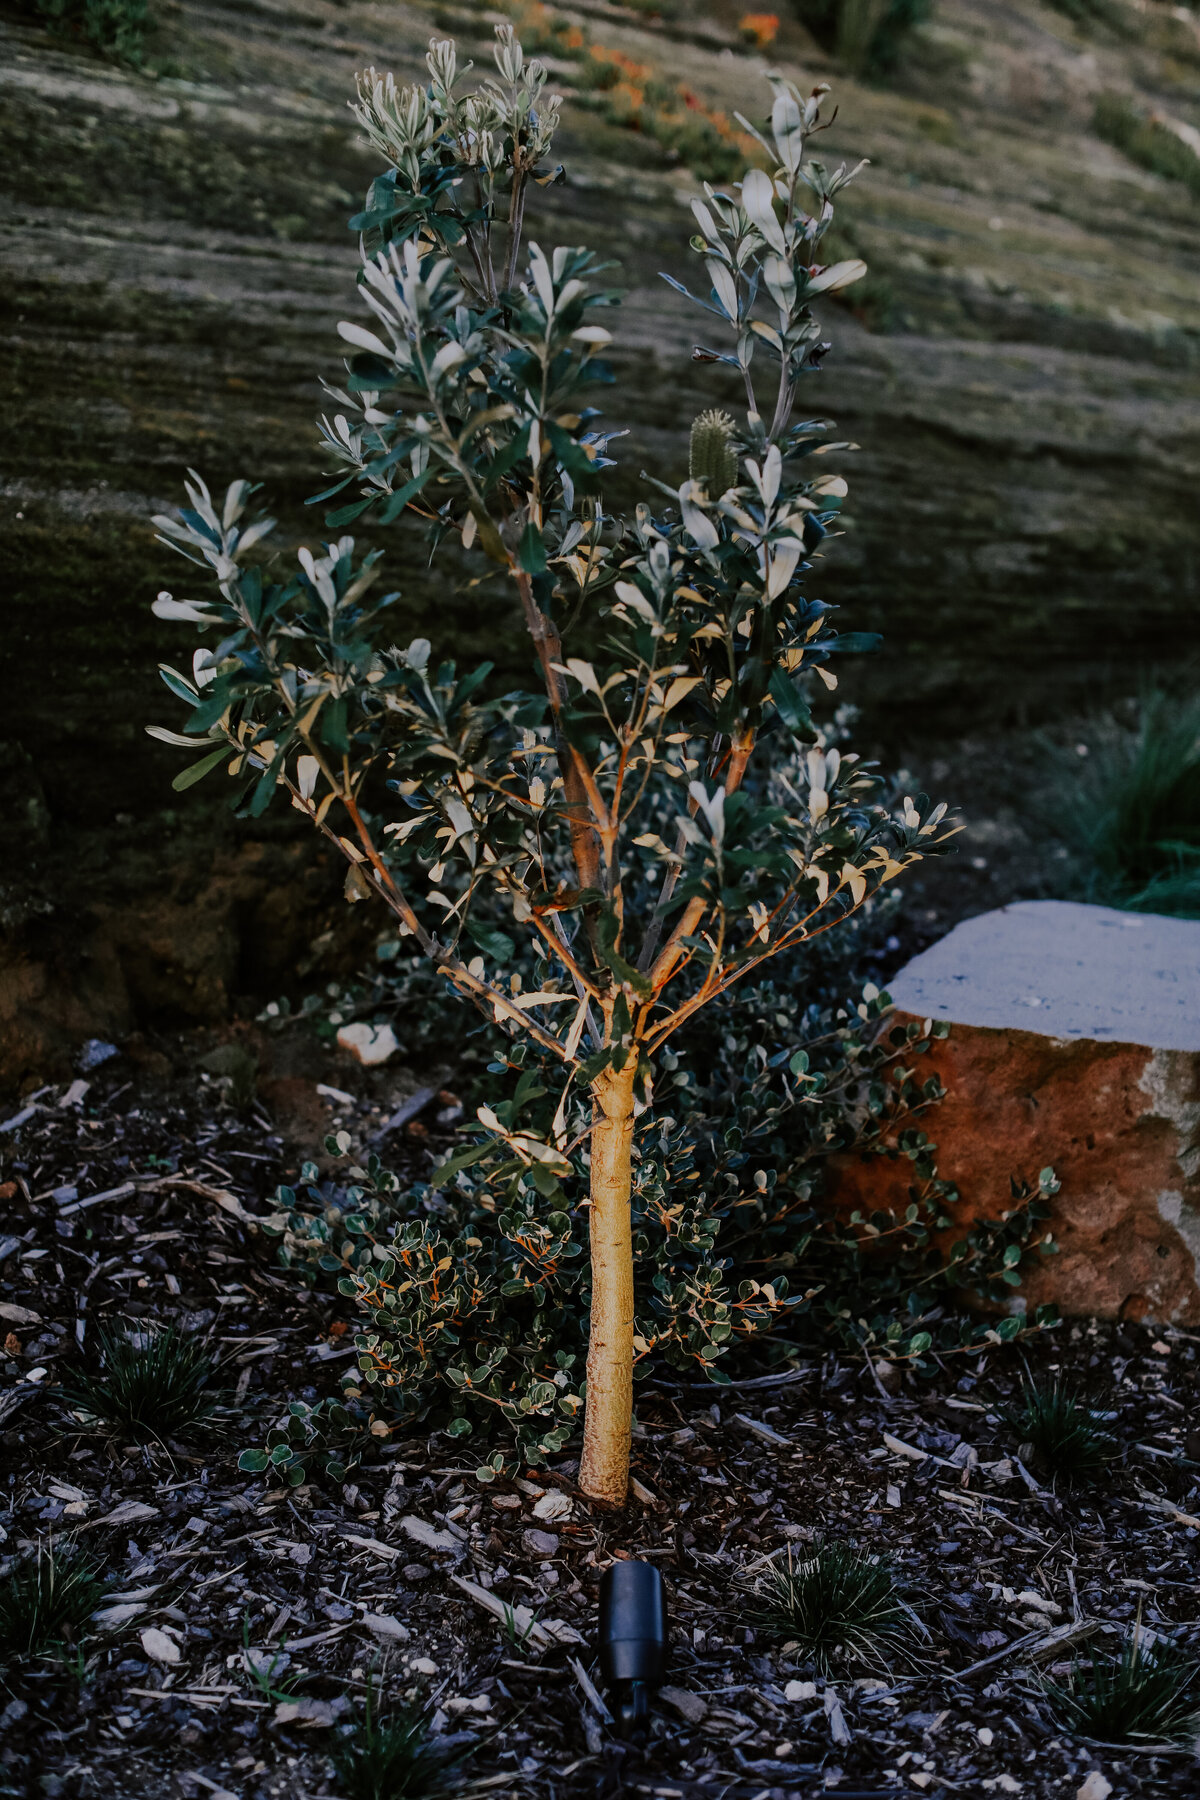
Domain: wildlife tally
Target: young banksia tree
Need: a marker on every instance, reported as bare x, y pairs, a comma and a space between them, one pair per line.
651, 817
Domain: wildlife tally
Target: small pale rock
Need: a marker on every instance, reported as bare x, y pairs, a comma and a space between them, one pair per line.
1096, 1786
461, 1703
800, 1690
371, 1044
553, 1506
314, 1713
159, 1647
689, 1706
540, 1543
382, 1625
112, 1618
424, 1665
1031, 1597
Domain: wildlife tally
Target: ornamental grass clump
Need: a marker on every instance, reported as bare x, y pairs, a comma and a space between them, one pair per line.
1131, 810
46, 1600
395, 1757
156, 1386
1062, 1433
624, 820
1149, 1693
840, 1607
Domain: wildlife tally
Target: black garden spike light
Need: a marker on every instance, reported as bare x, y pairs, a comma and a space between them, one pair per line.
633, 1637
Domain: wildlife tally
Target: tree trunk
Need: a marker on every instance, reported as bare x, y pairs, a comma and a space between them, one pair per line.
604, 1471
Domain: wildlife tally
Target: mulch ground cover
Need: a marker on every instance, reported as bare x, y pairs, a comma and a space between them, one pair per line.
245, 1621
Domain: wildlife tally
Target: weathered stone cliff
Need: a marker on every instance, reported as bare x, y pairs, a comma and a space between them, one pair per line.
1021, 372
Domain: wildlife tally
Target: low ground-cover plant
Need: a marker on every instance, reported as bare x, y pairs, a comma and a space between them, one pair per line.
46, 1599
1130, 810
158, 1385
473, 1287
843, 1608
609, 815
1149, 1693
322, 1439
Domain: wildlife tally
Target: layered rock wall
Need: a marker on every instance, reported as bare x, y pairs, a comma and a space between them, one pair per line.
1020, 370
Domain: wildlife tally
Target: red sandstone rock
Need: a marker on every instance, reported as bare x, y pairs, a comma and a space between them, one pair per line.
1119, 1122
1112, 1120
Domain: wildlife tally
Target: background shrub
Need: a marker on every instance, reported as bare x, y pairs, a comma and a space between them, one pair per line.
867, 36
116, 27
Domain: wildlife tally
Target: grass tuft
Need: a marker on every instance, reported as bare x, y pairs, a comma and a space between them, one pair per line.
840, 1606
153, 1390
1146, 1695
393, 1758
1063, 1433
46, 1598
1132, 810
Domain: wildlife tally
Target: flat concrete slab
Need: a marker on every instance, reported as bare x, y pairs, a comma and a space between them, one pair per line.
1063, 970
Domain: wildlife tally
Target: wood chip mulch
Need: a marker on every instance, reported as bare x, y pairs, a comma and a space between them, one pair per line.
121, 1202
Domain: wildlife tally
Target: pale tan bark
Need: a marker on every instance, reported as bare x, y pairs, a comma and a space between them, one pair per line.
604, 1470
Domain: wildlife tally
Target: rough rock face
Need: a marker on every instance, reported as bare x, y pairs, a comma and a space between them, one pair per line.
1074, 1043
180, 946
1020, 369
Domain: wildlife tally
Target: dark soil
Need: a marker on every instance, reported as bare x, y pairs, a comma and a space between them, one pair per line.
345, 1585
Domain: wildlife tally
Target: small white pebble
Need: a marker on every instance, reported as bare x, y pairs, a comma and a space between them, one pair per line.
986, 1734
159, 1647
424, 1665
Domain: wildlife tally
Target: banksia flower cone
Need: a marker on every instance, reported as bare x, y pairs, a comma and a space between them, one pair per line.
712, 459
